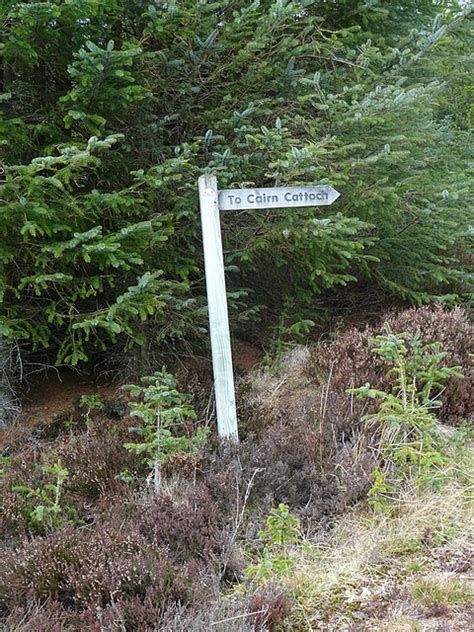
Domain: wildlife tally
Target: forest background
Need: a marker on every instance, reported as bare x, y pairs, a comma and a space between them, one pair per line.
112, 109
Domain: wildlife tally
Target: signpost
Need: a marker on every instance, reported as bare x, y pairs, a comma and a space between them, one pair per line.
278, 197
211, 202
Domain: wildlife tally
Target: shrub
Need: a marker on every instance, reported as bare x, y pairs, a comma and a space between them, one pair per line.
39, 568
51, 616
288, 463
189, 529
308, 445
119, 561
347, 361
96, 458
93, 568
271, 607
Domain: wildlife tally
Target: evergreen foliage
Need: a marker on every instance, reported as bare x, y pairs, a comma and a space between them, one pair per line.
164, 412
113, 109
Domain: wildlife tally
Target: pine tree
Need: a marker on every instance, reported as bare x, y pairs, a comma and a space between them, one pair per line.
113, 109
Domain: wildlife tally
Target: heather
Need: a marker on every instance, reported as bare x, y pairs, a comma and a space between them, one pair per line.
346, 504
248, 537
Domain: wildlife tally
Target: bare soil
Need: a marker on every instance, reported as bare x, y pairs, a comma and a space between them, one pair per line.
59, 391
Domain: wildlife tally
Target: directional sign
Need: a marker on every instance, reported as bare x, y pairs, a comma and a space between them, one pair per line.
212, 202
276, 197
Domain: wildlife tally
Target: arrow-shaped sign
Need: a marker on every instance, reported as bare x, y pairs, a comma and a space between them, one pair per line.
276, 197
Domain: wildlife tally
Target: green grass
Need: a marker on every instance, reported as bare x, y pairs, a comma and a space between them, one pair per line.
442, 591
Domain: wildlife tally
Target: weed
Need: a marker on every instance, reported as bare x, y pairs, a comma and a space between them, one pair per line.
444, 535
282, 527
382, 491
404, 544
4, 464
125, 476
413, 565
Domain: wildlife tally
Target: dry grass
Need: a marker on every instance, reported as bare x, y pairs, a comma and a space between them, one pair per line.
382, 569
269, 389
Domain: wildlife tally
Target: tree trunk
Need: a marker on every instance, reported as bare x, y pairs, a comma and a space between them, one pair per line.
9, 404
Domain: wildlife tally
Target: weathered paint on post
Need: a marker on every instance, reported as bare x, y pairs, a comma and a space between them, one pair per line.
211, 202
217, 306
276, 197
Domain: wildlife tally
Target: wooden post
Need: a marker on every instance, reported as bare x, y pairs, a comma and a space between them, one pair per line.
217, 306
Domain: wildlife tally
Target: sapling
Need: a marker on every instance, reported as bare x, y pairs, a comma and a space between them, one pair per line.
410, 441
91, 402
163, 411
282, 529
48, 512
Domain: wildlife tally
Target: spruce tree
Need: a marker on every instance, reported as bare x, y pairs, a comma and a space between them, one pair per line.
113, 109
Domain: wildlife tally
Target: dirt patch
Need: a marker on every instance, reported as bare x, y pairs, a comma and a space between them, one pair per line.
50, 395
246, 356
59, 391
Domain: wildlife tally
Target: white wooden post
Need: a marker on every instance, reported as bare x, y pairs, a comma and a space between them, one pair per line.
217, 306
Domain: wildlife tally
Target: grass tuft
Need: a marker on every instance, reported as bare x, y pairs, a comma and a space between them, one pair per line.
444, 590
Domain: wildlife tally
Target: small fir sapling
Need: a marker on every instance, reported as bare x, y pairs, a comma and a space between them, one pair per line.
48, 513
410, 442
282, 530
166, 414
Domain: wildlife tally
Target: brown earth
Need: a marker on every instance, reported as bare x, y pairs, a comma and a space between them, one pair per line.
58, 391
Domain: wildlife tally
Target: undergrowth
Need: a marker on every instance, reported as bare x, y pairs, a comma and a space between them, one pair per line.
420, 503
287, 532
411, 445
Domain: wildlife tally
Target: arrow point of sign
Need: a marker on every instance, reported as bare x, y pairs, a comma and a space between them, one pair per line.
335, 193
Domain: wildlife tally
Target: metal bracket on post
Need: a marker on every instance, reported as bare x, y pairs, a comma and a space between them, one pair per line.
217, 306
